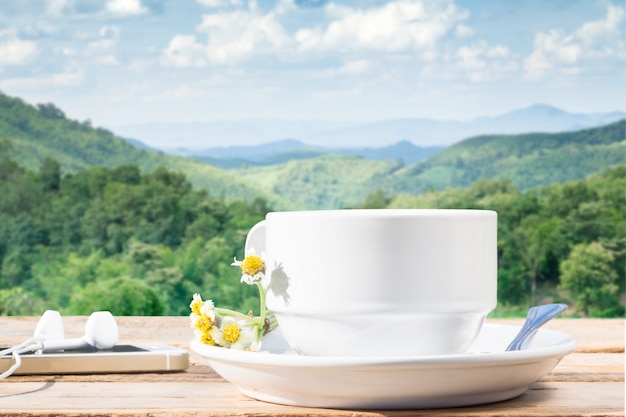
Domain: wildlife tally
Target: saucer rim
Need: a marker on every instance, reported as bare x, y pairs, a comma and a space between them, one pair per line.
289, 359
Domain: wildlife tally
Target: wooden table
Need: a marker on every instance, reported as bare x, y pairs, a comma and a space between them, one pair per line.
588, 382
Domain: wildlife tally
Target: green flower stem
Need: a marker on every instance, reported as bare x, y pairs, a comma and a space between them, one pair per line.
228, 312
263, 311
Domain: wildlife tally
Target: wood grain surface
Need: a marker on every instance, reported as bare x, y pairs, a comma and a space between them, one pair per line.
588, 382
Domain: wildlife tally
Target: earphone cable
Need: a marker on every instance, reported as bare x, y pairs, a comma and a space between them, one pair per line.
30, 345
17, 364
23, 345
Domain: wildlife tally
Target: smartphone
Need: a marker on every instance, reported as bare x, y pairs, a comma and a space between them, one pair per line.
120, 359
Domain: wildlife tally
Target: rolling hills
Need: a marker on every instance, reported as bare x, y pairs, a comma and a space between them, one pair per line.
324, 182
320, 178
43, 131
528, 160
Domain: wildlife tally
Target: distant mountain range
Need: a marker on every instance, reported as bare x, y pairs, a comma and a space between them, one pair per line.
526, 160
292, 175
290, 149
418, 131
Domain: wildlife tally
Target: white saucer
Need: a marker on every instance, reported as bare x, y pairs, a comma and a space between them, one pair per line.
483, 375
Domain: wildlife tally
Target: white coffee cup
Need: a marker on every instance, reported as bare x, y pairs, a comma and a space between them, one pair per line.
379, 282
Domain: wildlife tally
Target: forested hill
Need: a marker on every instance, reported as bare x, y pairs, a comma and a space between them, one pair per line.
115, 238
43, 131
326, 181
528, 160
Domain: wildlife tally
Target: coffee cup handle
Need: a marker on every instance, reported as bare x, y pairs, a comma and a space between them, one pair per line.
255, 241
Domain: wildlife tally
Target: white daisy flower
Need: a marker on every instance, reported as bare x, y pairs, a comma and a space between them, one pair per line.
233, 334
252, 268
196, 304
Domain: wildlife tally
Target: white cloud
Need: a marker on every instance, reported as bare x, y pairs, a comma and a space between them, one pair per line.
237, 35
423, 32
99, 47
58, 7
232, 37
70, 78
39, 29
110, 8
102, 50
482, 62
556, 50
184, 52
219, 3
347, 68
109, 60
354, 67
125, 8
400, 26
15, 51
140, 65
498, 51
469, 57
601, 31
463, 31
67, 51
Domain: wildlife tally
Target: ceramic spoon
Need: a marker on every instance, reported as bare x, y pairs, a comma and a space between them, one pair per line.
537, 316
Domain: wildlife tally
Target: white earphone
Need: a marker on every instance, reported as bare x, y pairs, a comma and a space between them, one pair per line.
50, 326
101, 332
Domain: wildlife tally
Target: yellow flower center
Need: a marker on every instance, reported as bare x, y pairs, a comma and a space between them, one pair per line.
204, 324
231, 333
207, 339
196, 305
252, 265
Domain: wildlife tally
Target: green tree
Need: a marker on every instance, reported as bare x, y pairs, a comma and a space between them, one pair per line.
6, 147
591, 221
58, 276
16, 270
588, 277
50, 111
377, 199
122, 296
50, 175
535, 239
17, 302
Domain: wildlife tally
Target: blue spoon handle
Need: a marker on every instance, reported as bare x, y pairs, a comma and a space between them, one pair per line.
537, 316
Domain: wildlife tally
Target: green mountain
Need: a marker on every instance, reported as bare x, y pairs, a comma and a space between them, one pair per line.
527, 160
43, 131
325, 182
304, 180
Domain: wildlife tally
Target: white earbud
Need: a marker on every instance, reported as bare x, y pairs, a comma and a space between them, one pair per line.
50, 326
101, 332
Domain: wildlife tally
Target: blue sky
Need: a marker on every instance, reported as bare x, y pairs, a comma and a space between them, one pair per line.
119, 62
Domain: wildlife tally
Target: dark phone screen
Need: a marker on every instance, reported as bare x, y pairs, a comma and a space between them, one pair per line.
90, 349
